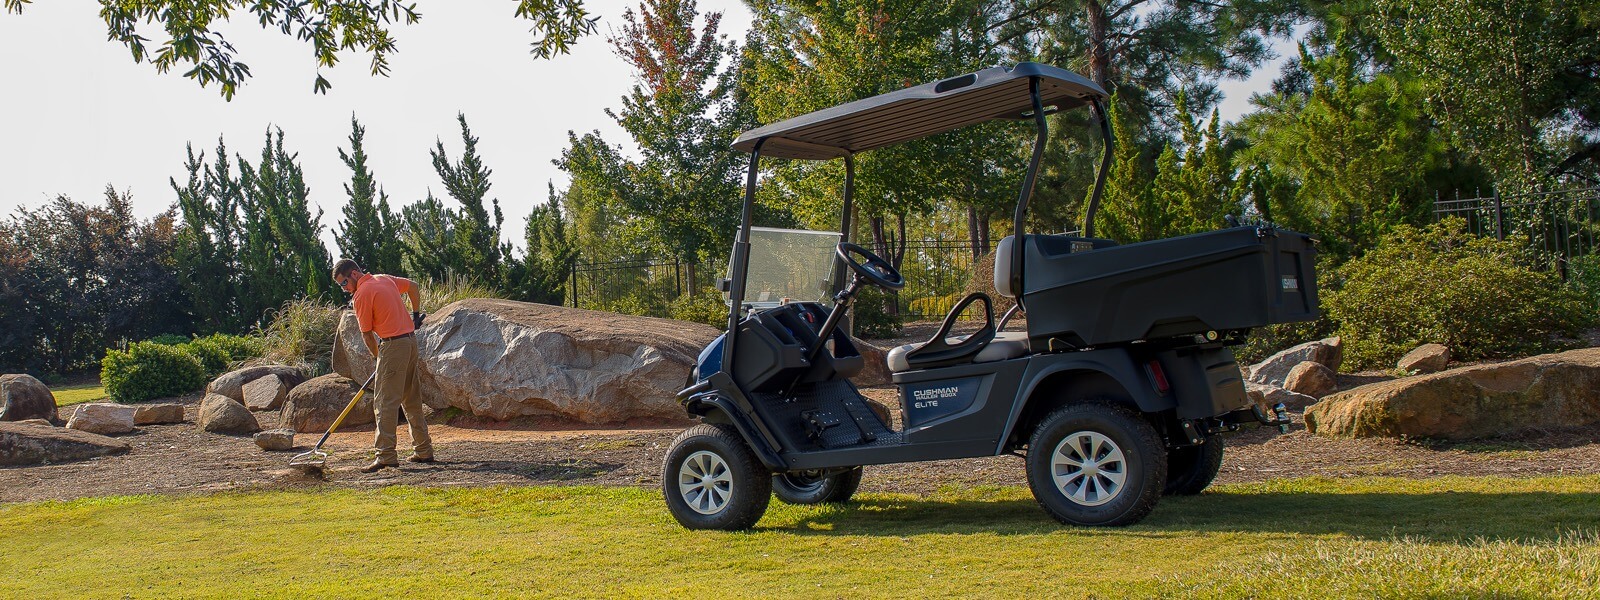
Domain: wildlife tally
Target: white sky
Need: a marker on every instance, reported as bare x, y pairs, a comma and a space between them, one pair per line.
76, 113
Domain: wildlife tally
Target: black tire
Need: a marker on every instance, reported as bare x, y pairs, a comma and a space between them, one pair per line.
803, 488
1190, 470
711, 480
1128, 459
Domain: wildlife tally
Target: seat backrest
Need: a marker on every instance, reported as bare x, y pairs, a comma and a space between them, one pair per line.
1002, 268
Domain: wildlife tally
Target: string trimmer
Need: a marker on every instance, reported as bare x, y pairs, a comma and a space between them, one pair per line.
312, 462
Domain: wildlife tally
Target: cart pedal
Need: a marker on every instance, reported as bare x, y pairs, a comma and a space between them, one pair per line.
818, 421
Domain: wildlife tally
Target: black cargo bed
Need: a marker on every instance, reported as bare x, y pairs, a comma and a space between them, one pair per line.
1230, 279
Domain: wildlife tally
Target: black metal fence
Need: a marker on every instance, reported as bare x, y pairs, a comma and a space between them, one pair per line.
934, 270
1561, 225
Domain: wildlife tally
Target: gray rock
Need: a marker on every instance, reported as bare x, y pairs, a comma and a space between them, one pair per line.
158, 414
23, 397
24, 445
221, 414
1275, 369
502, 359
275, 440
1271, 394
1312, 379
313, 405
1427, 358
350, 356
102, 418
231, 384
265, 393
39, 422
1548, 391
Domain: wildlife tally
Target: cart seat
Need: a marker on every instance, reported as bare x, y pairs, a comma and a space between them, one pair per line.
1006, 345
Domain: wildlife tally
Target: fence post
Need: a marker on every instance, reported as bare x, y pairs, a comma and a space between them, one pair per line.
575, 284
1499, 218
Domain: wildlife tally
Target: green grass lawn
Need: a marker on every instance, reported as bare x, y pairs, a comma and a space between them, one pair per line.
78, 394
1318, 538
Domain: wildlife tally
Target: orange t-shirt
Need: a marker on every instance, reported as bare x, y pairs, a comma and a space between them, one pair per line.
379, 308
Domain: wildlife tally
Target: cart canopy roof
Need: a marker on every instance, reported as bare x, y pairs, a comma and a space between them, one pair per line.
918, 112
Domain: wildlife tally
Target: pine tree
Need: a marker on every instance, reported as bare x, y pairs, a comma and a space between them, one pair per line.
541, 275
430, 240
370, 232
477, 249
1128, 211
281, 255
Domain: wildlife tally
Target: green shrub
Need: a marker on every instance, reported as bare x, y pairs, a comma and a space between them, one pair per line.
239, 348
706, 307
149, 370
1445, 285
169, 339
212, 356
301, 334
871, 317
1583, 276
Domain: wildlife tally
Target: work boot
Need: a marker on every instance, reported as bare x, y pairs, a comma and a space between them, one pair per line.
377, 465
419, 458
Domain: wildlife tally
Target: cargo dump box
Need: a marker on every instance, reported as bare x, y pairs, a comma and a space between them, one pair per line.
1100, 293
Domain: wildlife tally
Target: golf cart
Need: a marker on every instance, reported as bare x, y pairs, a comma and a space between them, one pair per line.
1115, 393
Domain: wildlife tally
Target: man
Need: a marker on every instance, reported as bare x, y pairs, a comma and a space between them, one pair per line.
387, 330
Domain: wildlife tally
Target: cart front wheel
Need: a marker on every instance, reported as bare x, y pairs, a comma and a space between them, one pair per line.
1096, 464
711, 480
802, 487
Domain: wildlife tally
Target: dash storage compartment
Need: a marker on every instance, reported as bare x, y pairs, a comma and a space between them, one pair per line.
1229, 279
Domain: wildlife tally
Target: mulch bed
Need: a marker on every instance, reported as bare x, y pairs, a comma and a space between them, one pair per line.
181, 459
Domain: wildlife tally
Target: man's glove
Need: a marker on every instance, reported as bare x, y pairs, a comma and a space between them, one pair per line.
416, 320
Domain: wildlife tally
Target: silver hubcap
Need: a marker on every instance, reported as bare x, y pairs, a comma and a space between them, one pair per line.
1088, 468
705, 482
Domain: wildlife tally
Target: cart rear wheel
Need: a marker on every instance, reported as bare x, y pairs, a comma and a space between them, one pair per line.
712, 481
815, 488
1190, 470
1096, 464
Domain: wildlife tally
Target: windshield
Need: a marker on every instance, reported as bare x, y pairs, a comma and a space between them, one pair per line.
789, 264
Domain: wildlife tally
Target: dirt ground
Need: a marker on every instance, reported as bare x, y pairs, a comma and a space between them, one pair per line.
168, 459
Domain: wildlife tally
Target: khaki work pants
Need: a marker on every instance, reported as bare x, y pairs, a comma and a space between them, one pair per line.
399, 388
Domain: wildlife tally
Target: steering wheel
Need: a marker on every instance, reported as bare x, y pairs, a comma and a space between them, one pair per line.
871, 267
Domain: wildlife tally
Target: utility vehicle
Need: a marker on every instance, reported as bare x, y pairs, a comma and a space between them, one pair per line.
1114, 393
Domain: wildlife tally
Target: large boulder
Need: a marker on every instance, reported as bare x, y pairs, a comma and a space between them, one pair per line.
1275, 369
231, 384
158, 414
1427, 358
312, 406
23, 445
1312, 379
350, 356
876, 370
22, 397
221, 414
102, 418
1552, 390
266, 393
502, 359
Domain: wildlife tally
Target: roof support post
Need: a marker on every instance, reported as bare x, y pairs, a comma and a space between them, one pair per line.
844, 219
1021, 217
1105, 168
741, 258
